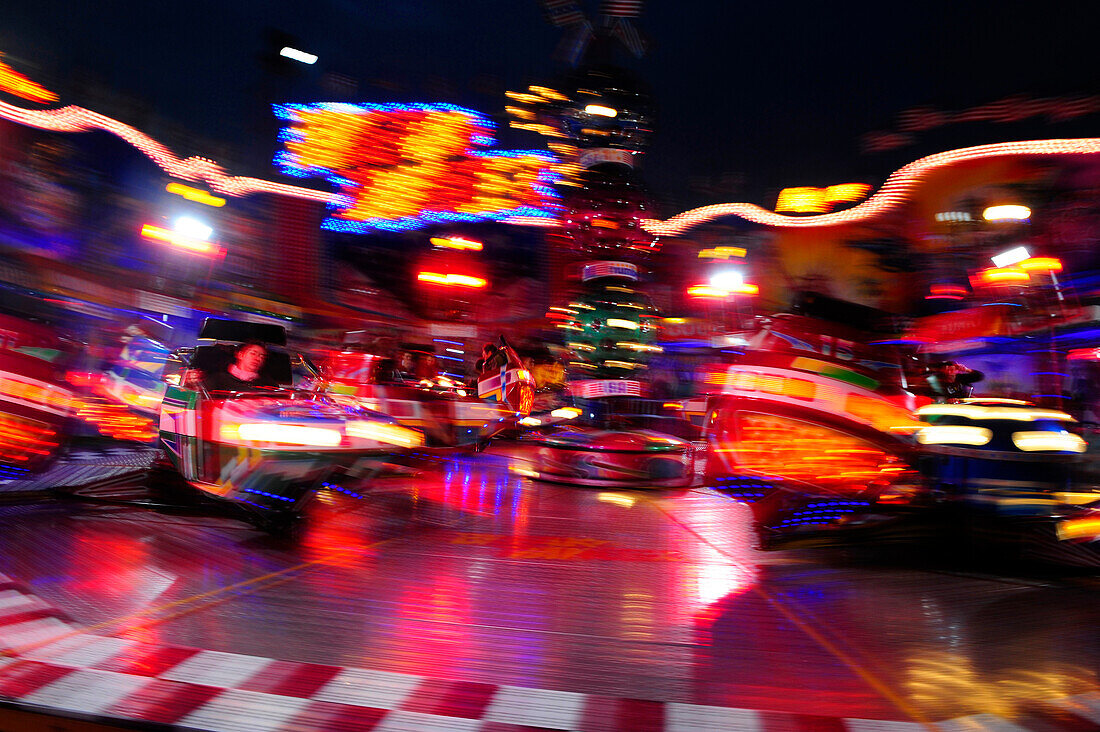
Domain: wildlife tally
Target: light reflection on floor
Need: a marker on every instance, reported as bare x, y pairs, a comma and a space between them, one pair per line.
466, 569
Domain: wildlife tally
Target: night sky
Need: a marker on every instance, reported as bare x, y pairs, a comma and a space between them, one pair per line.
751, 97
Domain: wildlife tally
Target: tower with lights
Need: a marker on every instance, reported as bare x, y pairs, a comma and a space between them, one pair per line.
598, 120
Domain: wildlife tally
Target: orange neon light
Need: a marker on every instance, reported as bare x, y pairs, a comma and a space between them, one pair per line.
195, 194
454, 242
719, 292
722, 253
846, 192
12, 82
819, 454
802, 200
707, 291
183, 242
998, 276
1041, 264
457, 280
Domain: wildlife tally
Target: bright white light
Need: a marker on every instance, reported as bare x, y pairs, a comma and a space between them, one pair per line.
566, 413
1011, 257
289, 434
295, 55
193, 228
954, 434
530, 421
728, 280
601, 110
1038, 441
1007, 213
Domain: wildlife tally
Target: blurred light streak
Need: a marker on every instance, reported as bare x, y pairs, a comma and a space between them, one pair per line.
897, 189
449, 279
79, 119
1040, 441
405, 166
300, 56
12, 82
1010, 212
722, 253
149, 231
601, 110
195, 195
954, 435
455, 242
1041, 264
1011, 257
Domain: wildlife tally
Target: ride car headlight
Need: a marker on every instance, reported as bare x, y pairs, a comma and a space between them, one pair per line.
1038, 441
566, 413
950, 434
286, 434
391, 434
530, 421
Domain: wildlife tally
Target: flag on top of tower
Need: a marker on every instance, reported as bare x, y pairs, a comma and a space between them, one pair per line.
562, 12
621, 8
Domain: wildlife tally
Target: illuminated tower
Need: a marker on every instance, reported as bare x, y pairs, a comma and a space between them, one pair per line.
598, 121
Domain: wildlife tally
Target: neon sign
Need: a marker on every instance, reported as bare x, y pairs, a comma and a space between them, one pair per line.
401, 167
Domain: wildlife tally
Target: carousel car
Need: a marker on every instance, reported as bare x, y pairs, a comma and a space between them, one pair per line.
265, 449
134, 378
1009, 471
446, 411
35, 400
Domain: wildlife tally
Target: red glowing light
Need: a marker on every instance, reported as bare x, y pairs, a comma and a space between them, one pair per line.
451, 279
721, 292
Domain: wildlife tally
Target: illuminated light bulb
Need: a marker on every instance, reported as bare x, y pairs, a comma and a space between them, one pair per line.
621, 323
954, 435
1041, 441
286, 434
802, 200
722, 253
846, 192
300, 56
192, 228
451, 279
1008, 212
600, 110
455, 242
1041, 264
1004, 276
194, 194
1011, 257
728, 281
158, 233
707, 291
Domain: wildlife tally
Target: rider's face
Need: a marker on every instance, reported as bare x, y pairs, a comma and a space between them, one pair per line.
251, 358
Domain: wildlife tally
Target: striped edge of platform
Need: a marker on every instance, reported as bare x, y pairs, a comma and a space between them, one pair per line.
48, 665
